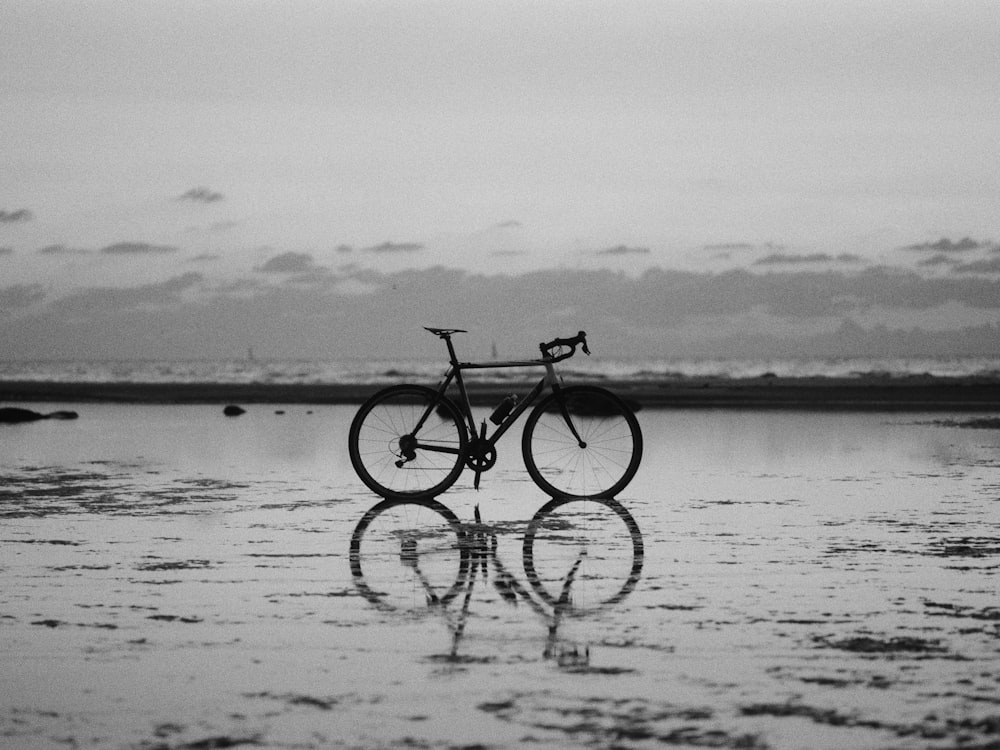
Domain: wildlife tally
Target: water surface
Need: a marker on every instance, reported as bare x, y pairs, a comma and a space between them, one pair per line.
174, 578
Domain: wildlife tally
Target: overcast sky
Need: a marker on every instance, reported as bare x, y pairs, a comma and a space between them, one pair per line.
234, 142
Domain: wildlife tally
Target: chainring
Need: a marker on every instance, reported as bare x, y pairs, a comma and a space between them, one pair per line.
480, 455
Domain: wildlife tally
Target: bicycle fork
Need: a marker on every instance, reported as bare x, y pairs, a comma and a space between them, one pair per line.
565, 415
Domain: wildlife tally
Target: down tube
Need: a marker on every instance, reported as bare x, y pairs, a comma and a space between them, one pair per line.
522, 406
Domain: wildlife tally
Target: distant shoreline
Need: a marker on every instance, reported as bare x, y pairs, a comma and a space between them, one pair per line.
914, 393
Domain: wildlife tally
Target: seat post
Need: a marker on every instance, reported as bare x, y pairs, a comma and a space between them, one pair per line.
451, 348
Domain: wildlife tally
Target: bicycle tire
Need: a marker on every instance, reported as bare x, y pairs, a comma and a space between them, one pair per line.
391, 415
608, 574
409, 554
557, 462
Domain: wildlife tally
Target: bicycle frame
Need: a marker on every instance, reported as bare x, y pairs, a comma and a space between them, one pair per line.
408, 440
454, 374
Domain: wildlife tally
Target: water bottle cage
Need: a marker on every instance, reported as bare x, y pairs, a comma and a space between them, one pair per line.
503, 409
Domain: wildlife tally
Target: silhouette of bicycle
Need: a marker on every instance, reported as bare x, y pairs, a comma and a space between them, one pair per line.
579, 555
410, 441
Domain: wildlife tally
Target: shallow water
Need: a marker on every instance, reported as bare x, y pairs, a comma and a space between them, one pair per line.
390, 371
175, 578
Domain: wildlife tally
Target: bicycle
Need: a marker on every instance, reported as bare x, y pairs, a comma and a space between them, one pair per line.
412, 441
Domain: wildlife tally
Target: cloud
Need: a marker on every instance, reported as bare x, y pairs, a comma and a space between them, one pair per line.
662, 312
624, 250
102, 301
12, 217
18, 296
725, 250
940, 259
6, 251
991, 265
395, 247
945, 245
137, 248
343, 249
289, 263
201, 195
783, 259
509, 224
61, 250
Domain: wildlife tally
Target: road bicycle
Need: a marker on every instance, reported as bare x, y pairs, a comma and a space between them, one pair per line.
412, 441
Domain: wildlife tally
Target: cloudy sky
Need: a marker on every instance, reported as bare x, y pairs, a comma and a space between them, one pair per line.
169, 164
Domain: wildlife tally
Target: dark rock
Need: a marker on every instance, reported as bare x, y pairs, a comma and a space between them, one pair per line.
14, 415
234, 411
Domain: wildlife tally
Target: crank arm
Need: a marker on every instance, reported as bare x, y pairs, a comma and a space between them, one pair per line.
479, 470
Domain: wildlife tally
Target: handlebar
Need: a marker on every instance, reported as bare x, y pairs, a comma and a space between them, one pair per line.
579, 340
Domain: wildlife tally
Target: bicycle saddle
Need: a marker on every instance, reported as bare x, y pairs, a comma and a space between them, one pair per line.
444, 332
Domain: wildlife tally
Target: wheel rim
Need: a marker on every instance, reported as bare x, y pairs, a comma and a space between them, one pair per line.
602, 465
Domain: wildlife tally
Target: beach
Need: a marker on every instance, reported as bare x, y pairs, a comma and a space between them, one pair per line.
974, 392
820, 576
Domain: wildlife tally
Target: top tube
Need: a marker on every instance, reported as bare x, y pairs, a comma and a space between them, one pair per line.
545, 361
501, 364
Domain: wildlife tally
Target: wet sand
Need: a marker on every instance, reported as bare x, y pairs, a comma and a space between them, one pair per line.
177, 579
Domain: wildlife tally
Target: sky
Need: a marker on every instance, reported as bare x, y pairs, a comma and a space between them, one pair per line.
164, 163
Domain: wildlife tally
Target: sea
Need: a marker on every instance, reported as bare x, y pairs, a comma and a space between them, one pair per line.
294, 371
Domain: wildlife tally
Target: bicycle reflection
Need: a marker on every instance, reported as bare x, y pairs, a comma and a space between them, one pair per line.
579, 555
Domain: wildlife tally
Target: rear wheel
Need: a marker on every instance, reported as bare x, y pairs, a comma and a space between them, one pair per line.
599, 460
406, 443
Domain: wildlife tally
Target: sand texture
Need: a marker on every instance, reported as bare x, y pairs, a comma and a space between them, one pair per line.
174, 578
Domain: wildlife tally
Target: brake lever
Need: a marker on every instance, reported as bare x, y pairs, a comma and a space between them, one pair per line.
580, 338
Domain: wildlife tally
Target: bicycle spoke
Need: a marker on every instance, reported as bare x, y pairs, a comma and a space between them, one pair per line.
388, 455
609, 454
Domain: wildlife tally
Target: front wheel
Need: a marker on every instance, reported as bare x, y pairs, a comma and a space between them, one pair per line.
407, 443
582, 441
